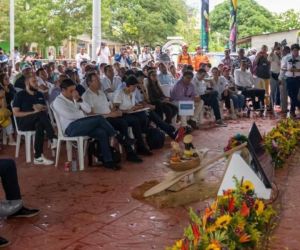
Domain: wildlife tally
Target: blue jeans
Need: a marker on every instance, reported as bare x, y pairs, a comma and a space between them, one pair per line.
293, 87
211, 99
238, 101
274, 90
95, 127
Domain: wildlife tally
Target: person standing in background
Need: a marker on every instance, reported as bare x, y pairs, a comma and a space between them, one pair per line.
103, 54
275, 60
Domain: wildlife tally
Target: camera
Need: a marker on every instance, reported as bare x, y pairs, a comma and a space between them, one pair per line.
293, 62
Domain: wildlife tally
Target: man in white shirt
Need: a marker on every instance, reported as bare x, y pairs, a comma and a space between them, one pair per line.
244, 82
166, 81
97, 99
282, 81
291, 66
72, 112
107, 80
81, 56
275, 60
145, 57
207, 95
124, 99
81, 72
104, 54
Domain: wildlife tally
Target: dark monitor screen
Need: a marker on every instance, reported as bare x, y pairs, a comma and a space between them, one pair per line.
261, 160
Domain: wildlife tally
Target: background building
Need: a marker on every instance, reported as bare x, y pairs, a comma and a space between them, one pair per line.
256, 41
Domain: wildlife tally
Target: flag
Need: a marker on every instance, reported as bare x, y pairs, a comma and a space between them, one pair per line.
233, 25
204, 24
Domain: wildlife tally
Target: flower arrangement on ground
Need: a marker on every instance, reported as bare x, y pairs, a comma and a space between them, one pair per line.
282, 140
235, 141
236, 220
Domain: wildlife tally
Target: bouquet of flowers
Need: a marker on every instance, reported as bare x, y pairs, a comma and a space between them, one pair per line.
282, 140
235, 141
236, 220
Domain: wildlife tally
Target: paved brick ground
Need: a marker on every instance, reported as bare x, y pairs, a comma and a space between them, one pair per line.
287, 233
94, 210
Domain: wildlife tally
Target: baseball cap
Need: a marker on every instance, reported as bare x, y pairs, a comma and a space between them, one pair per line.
25, 66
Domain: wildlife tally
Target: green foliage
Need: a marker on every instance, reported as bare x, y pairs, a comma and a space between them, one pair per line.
189, 31
236, 220
252, 19
48, 22
288, 20
144, 21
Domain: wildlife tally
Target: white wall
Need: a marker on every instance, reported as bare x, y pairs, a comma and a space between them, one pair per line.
270, 39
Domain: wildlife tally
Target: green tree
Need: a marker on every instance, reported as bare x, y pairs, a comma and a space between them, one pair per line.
47, 22
252, 19
288, 20
4, 19
144, 21
190, 31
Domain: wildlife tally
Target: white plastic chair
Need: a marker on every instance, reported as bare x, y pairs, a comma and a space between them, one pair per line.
80, 140
29, 136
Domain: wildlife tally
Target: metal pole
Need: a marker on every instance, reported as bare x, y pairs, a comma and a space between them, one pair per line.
96, 39
205, 25
233, 25
12, 32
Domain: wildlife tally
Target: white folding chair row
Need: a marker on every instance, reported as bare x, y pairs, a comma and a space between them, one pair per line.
80, 140
29, 137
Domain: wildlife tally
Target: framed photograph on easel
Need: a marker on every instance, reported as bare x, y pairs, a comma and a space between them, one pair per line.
261, 161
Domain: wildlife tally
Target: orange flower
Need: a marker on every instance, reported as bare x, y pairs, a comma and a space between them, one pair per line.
196, 231
245, 211
207, 214
227, 192
245, 238
231, 204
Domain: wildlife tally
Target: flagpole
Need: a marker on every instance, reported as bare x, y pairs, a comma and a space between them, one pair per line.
205, 25
12, 32
96, 36
233, 25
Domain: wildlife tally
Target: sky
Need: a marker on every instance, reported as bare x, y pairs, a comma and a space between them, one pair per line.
277, 6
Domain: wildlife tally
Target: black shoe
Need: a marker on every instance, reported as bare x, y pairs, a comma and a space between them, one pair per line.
25, 213
3, 242
133, 157
144, 151
193, 124
131, 141
111, 165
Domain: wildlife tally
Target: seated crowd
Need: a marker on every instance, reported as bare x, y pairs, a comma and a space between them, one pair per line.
133, 97
127, 99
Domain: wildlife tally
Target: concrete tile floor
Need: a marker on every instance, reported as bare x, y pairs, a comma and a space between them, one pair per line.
93, 209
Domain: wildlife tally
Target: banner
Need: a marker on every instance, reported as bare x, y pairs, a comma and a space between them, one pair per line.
233, 25
205, 25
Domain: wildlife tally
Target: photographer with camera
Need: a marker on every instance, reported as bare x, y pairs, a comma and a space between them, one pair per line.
291, 66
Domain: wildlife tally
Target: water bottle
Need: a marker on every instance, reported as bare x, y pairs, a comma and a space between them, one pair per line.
74, 166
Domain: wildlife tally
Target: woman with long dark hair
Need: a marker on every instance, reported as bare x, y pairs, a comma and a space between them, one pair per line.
162, 104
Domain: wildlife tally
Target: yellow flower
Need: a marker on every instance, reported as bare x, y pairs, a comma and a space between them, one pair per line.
259, 207
247, 186
214, 206
179, 244
211, 229
223, 221
213, 246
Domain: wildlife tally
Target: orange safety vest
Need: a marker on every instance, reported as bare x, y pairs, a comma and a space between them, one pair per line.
199, 60
184, 59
